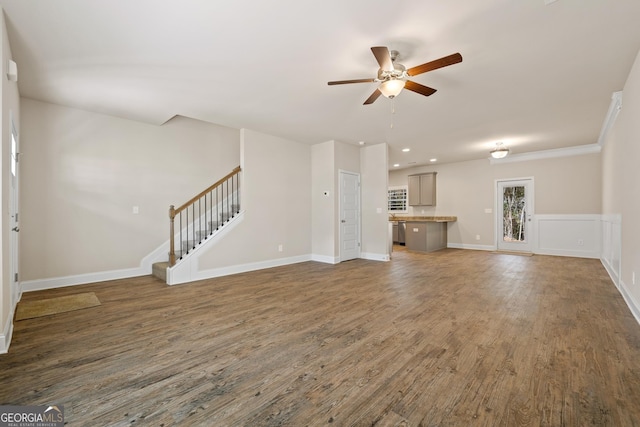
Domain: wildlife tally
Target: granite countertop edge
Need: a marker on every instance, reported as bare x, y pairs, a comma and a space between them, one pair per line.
424, 219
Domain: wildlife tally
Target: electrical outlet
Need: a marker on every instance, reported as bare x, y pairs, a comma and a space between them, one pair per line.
477, 237
580, 242
279, 248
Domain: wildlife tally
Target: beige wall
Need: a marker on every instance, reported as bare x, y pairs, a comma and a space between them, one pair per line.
567, 185
82, 174
621, 181
276, 195
375, 220
328, 159
324, 207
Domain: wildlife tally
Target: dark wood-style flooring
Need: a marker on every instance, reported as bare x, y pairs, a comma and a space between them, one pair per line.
451, 338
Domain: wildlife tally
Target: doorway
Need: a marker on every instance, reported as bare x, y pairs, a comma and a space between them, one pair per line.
349, 215
514, 211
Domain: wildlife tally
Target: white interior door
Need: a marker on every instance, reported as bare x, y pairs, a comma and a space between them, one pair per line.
13, 212
514, 212
349, 216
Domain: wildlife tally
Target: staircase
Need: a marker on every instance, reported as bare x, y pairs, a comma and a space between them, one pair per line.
197, 221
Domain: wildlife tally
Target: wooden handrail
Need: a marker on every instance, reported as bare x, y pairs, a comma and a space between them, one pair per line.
173, 212
177, 210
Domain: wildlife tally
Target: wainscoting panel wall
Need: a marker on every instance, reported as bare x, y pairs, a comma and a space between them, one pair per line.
612, 245
568, 235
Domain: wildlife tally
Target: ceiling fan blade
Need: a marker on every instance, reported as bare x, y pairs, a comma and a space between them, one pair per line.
418, 88
434, 65
344, 82
373, 97
383, 57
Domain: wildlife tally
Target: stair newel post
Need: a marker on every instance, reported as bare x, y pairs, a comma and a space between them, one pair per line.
238, 192
172, 252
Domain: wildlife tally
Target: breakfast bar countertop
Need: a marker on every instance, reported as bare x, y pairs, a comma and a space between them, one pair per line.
424, 218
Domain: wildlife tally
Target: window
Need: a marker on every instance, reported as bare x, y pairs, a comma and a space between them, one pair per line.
397, 199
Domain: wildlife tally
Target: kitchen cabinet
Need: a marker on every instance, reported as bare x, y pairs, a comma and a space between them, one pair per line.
426, 236
422, 189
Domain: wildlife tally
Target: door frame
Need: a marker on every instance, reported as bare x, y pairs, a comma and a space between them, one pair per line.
529, 181
341, 256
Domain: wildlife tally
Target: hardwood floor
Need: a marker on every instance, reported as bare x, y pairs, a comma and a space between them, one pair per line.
451, 338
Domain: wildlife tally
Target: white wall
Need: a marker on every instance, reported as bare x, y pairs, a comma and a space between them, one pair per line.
10, 107
620, 201
563, 186
82, 174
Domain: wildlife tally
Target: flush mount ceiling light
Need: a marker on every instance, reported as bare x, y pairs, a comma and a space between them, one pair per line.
500, 151
406, 150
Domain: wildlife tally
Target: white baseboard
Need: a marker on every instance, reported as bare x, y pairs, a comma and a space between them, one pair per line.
241, 268
7, 334
568, 252
630, 300
325, 259
82, 279
374, 256
472, 247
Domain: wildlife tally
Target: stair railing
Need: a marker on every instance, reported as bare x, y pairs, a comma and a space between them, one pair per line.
203, 214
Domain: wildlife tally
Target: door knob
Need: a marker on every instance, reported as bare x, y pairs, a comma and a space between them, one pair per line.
343, 220
16, 229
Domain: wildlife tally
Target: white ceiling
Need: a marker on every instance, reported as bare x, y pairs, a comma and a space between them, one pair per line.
536, 76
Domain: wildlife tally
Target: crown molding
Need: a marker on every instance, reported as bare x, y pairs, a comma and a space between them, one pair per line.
578, 150
614, 108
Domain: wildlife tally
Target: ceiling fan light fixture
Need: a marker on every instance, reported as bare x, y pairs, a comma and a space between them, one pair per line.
391, 88
500, 152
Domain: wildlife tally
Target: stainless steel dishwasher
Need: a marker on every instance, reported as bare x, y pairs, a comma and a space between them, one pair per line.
402, 227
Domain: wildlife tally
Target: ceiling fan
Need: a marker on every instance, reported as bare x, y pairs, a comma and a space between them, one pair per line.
393, 76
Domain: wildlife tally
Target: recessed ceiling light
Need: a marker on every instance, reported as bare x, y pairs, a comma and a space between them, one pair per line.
433, 160
396, 165
361, 142
406, 150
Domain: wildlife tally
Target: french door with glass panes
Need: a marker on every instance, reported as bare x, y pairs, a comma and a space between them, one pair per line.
514, 212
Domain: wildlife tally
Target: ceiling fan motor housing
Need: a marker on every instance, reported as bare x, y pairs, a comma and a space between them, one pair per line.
394, 77
399, 72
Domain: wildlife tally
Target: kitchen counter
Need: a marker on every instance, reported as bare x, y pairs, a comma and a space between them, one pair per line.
421, 233
424, 218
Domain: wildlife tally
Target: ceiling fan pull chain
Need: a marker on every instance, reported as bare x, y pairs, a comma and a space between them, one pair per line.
393, 111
